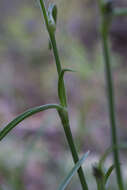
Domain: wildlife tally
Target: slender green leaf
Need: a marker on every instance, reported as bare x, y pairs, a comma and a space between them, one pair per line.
109, 150
73, 172
25, 115
61, 87
104, 156
108, 173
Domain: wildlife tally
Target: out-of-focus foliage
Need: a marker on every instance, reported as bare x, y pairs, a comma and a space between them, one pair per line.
28, 78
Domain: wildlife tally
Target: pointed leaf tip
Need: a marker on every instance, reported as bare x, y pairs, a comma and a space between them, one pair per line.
109, 172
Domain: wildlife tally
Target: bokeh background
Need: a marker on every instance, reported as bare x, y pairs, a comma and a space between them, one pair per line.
35, 155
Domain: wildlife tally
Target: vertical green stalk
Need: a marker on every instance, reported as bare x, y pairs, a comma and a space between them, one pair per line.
99, 177
105, 23
58, 64
100, 185
67, 130
110, 91
63, 115
111, 106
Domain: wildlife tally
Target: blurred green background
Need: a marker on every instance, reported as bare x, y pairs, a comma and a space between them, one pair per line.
35, 155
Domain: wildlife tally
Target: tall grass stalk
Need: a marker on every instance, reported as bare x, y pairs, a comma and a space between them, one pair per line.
63, 100
106, 17
50, 18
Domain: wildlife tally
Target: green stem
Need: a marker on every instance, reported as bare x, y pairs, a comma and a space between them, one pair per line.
65, 120
52, 37
42, 7
55, 52
111, 106
54, 46
58, 65
67, 130
100, 186
110, 90
64, 117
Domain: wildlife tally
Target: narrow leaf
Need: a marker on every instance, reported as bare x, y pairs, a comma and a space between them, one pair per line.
73, 172
109, 150
61, 87
104, 156
108, 173
25, 115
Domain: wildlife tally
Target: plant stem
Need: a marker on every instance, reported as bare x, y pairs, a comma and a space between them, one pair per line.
55, 52
100, 185
65, 119
111, 106
110, 90
52, 37
64, 115
58, 64
67, 130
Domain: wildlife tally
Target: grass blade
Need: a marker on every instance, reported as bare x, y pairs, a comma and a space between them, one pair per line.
109, 150
108, 173
61, 93
73, 172
25, 115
